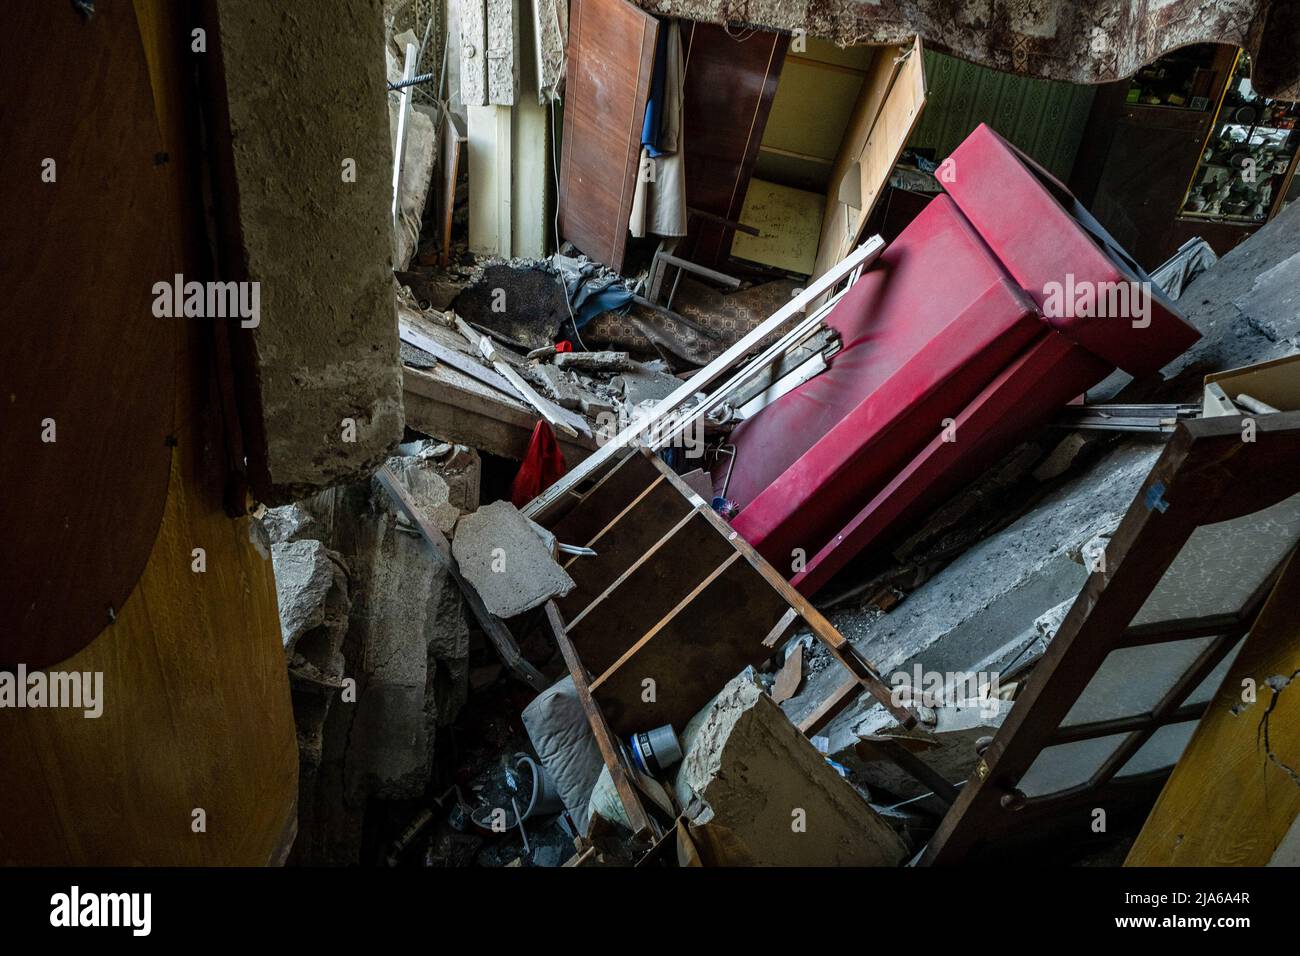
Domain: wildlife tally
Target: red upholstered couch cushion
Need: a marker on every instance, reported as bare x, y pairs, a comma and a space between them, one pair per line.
948, 324
928, 326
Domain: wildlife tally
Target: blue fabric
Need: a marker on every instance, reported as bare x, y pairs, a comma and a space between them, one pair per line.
609, 299
654, 106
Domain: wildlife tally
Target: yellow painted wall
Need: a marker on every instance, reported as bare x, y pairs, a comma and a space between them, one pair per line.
814, 100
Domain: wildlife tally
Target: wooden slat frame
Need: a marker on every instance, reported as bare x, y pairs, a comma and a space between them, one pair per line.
619, 506
864, 672
1206, 474
610, 750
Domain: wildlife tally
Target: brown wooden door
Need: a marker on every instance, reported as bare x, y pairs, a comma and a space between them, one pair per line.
611, 60
730, 84
1145, 175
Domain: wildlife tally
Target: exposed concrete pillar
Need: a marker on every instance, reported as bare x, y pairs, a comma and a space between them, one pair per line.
298, 129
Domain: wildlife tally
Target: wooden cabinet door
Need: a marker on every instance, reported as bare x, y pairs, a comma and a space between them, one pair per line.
611, 60
1150, 160
730, 84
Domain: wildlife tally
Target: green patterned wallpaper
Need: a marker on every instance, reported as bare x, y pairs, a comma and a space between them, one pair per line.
1045, 119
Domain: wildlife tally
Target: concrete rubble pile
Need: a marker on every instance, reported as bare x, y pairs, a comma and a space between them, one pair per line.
360, 597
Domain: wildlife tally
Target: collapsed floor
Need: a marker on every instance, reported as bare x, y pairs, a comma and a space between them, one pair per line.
464, 687
434, 763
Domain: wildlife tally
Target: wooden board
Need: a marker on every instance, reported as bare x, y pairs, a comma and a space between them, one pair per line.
616, 488
667, 571
611, 750
445, 403
83, 349
611, 57
888, 108
789, 222
196, 694
693, 653
453, 145
627, 538
729, 88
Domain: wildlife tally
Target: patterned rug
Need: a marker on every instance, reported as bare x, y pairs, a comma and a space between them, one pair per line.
710, 322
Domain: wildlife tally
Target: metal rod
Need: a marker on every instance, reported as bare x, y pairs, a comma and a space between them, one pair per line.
413, 81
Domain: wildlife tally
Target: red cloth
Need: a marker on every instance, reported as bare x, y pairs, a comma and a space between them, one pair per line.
542, 466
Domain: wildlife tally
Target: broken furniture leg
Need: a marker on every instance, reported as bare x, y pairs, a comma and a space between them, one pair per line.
493, 627
610, 750
489, 352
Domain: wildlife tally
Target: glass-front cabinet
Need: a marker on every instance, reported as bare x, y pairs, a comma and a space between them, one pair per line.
1246, 171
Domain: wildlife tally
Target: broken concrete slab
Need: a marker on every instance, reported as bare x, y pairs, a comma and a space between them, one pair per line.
559, 386
406, 647
507, 561
1244, 306
598, 408
645, 385
312, 588
747, 768
321, 381
972, 609
419, 472
945, 738
594, 361
290, 523
306, 572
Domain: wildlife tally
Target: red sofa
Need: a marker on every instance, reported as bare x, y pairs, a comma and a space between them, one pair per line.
968, 333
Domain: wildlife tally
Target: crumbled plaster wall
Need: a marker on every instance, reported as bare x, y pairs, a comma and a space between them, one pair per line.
298, 98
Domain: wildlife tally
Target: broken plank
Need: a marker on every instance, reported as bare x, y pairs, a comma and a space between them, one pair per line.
554, 415
610, 749
457, 360
831, 707
445, 403
493, 626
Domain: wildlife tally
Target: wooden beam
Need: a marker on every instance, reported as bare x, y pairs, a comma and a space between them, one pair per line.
445, 403
610, 749
457, 360
831, 707
861, 257
492, 625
